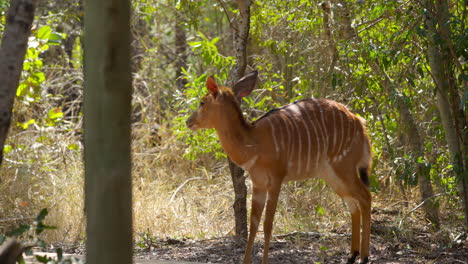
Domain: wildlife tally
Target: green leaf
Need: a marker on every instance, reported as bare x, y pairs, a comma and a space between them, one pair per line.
319, 210
56, 38
420, 159
19, 231
21, 260
36, 78
6, 149
42, 259
41, 227
41, 216
26, 124
55, 113
73, 147
59, 254
44, 32
22, 90
29, 252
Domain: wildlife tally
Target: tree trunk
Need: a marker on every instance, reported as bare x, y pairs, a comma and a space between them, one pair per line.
11, 251
107, 98
431, 207
14, 44
181, 50
332, 49
240, 200
241, 36
441, 63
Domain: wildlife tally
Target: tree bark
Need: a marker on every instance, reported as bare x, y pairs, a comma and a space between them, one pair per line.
181, 50
107, 98
10, 251
332, 49
241, 36
14, 45
453, 118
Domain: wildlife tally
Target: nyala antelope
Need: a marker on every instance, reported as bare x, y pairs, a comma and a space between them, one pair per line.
305, 139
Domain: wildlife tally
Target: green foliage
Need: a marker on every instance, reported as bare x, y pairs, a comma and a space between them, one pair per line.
32, 232
288, 47
202, 141
29, 90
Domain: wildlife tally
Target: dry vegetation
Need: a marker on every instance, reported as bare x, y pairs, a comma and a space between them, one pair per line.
178, 198
181, 199
173, 197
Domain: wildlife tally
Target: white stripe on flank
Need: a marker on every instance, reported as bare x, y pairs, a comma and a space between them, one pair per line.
290, 147
346, 142
342, 136
248, 164
309, 140
324, 129
295, 109
348, 138
353, 132
296, 112
270, 121
334, 129
311, 122
280, 136
321, 128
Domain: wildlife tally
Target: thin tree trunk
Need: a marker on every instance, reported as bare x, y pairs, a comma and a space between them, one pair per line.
241, 36
441, 63
332, 49
181, 50
107, 98
430, 207
416, 145
14, 44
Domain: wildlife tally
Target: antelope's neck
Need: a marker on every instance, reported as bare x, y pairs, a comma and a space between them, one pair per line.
238, 141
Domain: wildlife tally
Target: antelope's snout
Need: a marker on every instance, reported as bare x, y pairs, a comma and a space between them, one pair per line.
191, 122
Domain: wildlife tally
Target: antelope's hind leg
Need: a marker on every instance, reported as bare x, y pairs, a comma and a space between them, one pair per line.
344, 181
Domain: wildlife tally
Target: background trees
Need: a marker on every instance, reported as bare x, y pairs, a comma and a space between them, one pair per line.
399, 64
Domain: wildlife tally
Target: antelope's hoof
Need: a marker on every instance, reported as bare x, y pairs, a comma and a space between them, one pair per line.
352, 258
364, 261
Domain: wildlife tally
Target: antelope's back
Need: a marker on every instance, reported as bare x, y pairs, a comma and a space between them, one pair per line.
306, 135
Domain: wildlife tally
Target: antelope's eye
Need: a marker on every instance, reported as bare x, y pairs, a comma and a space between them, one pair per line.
202, 103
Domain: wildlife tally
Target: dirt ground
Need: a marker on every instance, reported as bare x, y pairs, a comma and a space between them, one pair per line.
305, 248
300, 248
390, 243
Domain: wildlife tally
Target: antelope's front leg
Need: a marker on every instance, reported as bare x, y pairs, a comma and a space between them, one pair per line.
258, 203
272, 202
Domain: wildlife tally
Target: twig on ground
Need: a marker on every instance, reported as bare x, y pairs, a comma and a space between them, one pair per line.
418, 206
181, 186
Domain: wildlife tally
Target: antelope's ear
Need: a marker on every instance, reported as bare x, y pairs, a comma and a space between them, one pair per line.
211, 85
245, 85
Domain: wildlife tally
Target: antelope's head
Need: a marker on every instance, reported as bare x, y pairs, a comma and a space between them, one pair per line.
221, 103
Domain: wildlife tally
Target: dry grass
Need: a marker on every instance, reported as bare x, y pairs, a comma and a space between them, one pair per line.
173, 197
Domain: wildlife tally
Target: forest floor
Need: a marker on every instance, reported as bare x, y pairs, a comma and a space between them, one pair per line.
389, 244
302, 248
